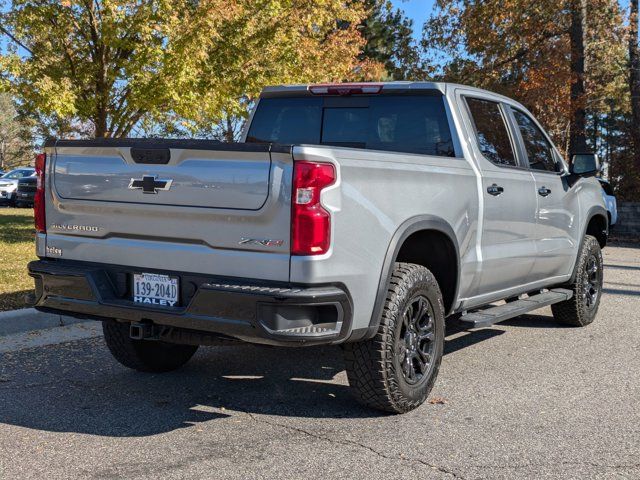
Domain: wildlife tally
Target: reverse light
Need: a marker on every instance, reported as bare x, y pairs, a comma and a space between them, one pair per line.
310, 222
345, 88
38, 200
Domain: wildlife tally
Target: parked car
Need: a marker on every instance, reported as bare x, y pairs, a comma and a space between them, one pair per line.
26, 191
354, 214
9, 184
610, 201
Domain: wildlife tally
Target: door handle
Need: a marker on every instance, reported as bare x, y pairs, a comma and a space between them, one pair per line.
543, 191
495, 190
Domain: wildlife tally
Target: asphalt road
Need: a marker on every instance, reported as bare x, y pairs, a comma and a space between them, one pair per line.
525, 399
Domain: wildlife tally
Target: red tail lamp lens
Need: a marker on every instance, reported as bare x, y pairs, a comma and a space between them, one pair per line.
38, 200
310, 222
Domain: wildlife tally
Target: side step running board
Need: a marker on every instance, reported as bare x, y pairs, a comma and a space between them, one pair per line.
489, 316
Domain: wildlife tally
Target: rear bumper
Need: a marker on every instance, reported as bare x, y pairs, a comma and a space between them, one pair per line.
252, 311
25, 197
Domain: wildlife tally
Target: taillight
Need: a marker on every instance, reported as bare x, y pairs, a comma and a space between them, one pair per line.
345, 88
310, 222
38, 200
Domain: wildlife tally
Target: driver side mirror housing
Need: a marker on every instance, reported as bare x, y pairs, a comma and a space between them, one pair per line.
584, 164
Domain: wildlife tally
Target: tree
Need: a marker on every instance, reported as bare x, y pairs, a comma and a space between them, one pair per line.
515, 47
389, 41
534, 52
113, 64
15, 136
634, 81
577, 32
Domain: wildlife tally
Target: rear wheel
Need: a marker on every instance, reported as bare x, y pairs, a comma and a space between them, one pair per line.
581, 309
396, 369
144, 355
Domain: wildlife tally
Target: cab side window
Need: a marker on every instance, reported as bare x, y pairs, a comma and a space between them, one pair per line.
538, 148
491, 131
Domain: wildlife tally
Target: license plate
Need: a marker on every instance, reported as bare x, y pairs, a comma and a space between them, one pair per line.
155, 289
24, 194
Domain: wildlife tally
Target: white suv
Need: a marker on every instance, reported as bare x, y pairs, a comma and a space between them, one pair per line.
9, 183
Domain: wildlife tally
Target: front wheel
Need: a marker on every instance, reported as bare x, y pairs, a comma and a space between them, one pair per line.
581, 309
396, 369
144, 355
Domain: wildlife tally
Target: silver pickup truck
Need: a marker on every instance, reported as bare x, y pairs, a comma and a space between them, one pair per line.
354, 214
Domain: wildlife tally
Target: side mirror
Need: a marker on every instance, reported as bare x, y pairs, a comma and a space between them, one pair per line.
584, 164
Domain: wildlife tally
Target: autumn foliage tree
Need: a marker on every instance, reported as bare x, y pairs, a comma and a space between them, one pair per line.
15, 136
561, 59
112, 64
389, 41
634, 91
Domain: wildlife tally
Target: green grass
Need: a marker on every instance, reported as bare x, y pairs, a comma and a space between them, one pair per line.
17, 248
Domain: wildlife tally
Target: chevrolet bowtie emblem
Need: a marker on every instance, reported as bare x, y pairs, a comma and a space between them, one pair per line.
150, 184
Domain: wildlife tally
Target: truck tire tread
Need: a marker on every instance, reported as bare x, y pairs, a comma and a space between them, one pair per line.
573, 311
369, 364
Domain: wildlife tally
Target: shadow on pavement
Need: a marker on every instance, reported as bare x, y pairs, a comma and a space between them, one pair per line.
469, 339
77, 387
621, 267
619, 291
534, 321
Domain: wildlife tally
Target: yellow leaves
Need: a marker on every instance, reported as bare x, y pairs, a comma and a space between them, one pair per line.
182, 58
54, 96
267, 42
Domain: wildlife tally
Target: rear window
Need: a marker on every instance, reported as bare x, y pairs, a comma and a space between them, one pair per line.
400, 123
15, 174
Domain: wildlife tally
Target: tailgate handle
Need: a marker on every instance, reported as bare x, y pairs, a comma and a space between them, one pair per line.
151, 156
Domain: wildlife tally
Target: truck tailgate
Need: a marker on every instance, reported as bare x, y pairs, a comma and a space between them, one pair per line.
199, 178
194, 206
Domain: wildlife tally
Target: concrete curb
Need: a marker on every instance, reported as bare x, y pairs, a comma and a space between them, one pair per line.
50, 336
29, 319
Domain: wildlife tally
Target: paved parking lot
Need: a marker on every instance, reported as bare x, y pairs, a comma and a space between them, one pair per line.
525, 399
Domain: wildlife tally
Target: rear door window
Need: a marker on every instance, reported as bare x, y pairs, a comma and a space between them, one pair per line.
491, 131
400, 123
538, 148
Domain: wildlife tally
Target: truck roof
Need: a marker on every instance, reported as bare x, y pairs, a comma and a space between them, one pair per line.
389, 87
304, 88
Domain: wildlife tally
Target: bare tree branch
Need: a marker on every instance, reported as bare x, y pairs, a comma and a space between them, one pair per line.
12, 37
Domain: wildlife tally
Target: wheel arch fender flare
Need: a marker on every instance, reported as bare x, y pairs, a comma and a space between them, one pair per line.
404, 231
594, 211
